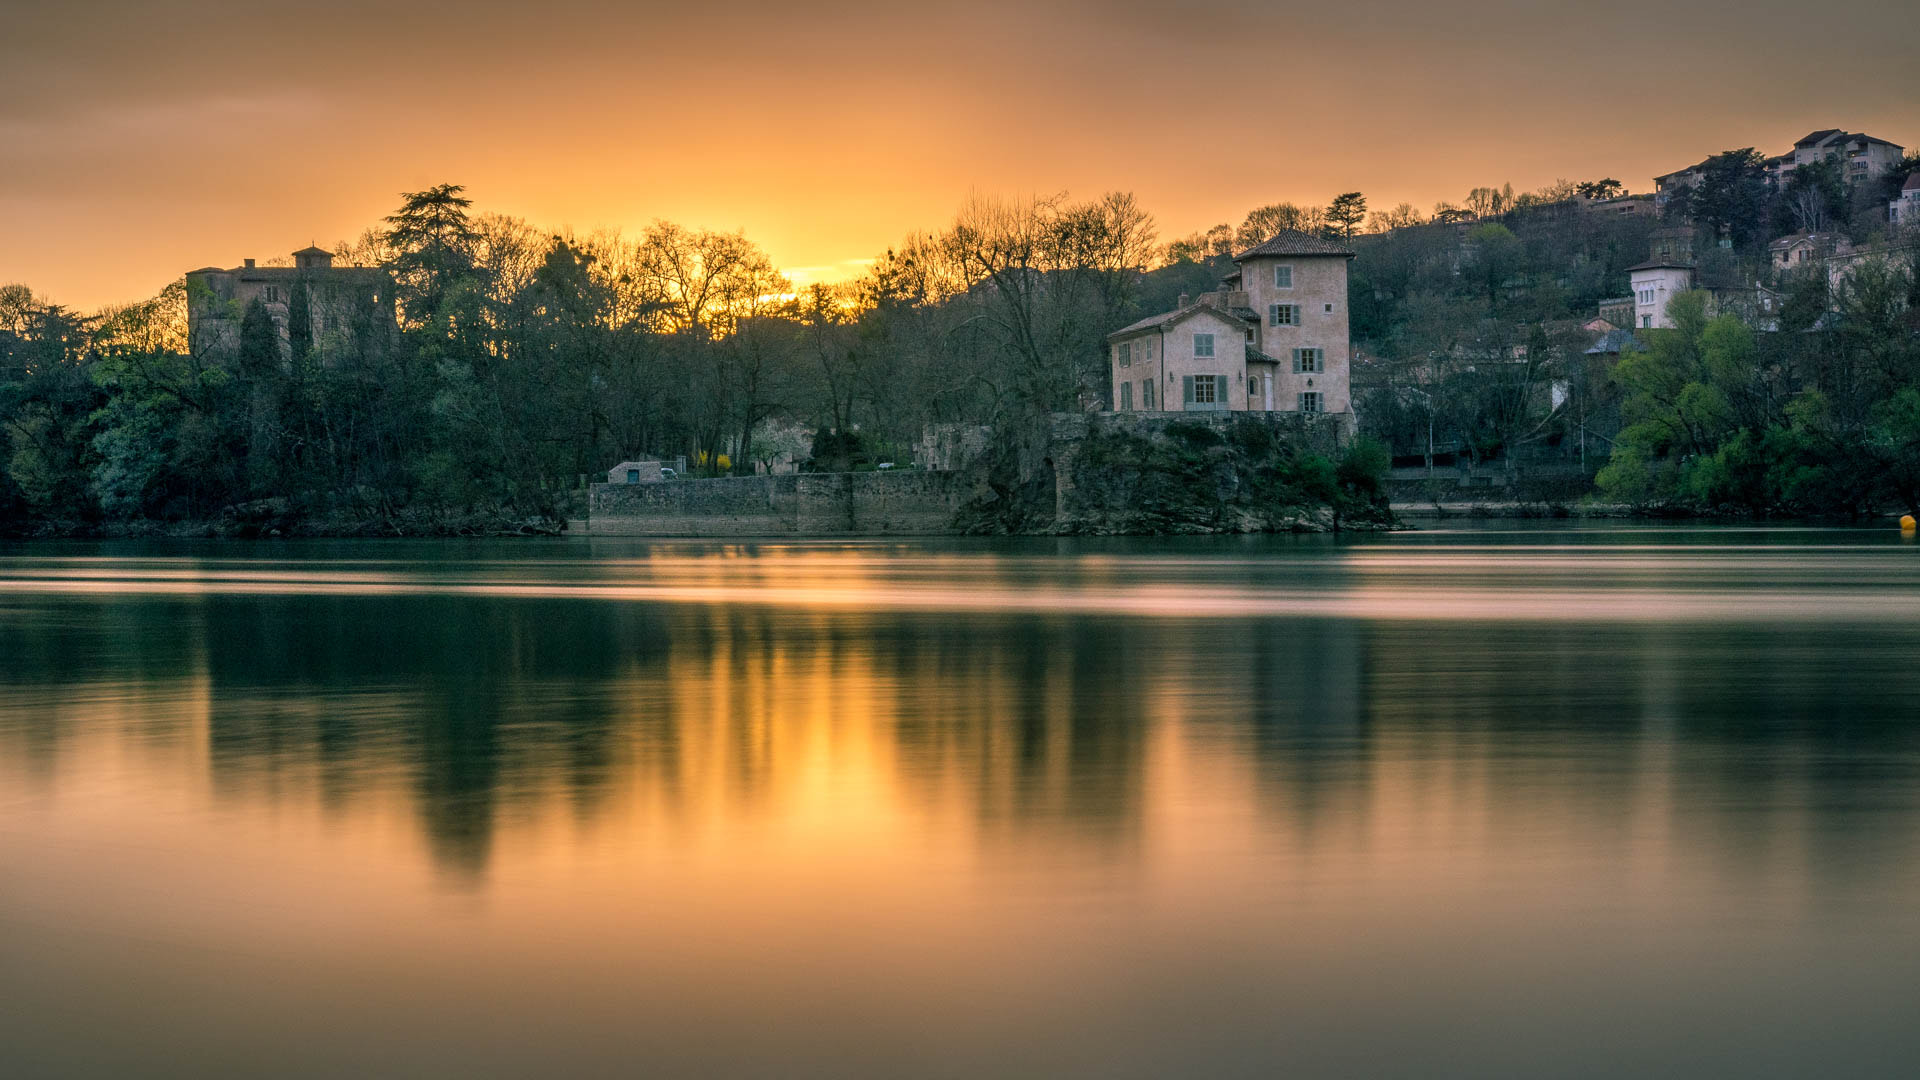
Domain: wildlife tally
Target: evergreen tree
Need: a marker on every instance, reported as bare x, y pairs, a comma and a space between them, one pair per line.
1346, 213
299, 324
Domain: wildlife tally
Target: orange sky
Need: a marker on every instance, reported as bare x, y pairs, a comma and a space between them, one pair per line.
139, 140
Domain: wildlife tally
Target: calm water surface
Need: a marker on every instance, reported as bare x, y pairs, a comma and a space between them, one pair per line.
1524, 800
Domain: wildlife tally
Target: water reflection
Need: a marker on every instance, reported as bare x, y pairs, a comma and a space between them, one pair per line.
1066, 841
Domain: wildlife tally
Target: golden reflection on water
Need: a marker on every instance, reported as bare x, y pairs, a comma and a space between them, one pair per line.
493, 816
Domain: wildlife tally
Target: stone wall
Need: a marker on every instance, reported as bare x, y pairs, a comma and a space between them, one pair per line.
904, 502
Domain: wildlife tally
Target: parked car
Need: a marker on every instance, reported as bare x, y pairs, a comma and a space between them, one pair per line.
667, 472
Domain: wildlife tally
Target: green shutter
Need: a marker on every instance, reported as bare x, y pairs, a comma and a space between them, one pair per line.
1186, 389
1296, 361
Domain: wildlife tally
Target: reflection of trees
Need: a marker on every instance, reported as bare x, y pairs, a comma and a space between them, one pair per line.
1021, 731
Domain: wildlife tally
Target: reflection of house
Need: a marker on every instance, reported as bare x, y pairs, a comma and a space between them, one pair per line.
1274, 338
336, 297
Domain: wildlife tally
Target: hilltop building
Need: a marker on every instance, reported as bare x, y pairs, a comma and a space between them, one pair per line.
337, 297
1863, 156
1273, 338
1668, 271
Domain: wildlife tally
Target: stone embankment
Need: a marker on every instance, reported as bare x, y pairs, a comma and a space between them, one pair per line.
906, 502
1101, 473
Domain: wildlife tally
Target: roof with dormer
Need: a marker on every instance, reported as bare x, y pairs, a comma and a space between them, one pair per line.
1293, 242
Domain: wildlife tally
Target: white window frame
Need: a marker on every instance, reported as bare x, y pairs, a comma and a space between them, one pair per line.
1283, 270
1146, 394
1124, 351
1211, 383
1314, 398
1203, 339
1292, 312
1310, 360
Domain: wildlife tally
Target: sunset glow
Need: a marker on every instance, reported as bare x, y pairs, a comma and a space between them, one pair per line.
145, 140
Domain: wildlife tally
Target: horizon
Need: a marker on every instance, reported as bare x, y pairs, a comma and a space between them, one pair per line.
135, 166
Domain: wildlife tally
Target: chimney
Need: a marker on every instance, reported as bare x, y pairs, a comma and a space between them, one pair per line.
1184, 298
249, 263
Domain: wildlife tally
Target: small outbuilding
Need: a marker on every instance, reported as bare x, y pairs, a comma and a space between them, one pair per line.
635, 472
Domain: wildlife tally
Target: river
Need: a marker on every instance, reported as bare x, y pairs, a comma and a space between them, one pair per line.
1534, 799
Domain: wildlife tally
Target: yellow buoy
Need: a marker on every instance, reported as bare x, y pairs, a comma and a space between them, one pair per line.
1906, 523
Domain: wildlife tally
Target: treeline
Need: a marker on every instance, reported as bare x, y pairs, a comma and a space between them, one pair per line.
517, 360
511, 361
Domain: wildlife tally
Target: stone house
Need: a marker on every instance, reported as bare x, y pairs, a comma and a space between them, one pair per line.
1273, 338
1805, 250
338, 298
635, 472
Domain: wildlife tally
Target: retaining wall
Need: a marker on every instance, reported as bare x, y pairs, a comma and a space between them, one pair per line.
902, 503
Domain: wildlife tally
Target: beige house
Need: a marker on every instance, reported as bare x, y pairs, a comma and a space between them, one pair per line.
1273, 338
1861, 155
336, 296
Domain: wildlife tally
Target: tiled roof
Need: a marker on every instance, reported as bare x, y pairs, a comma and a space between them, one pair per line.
1152, 322
1817, 137
1611, 342
1660, 264
1293, 242
1913, 182
1796, 238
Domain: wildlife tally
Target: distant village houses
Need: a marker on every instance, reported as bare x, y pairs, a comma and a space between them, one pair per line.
1273, 338
1863, 156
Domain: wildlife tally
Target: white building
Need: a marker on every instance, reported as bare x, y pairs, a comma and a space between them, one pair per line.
1904, 212
1274, 338
1655, 282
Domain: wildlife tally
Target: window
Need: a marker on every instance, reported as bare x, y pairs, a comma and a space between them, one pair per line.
1311, 402
1309, 361
1253, 386
1125, 353
1646, 322
1329, 309
1205, 389
1146, 394
633, 476
1203, 344
1126, 396
273, 294
1283, 277
1283, 315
